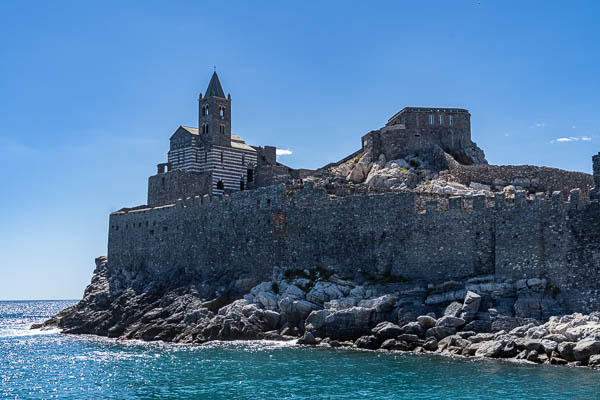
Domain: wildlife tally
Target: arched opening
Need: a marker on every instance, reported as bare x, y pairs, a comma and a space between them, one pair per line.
220, 185
222, 112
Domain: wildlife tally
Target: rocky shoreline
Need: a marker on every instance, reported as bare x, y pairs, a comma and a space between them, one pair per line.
477, 317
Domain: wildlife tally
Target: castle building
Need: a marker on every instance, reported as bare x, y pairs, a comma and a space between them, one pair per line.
414, 129
210, 159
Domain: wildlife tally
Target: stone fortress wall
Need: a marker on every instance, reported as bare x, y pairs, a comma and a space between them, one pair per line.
383, 235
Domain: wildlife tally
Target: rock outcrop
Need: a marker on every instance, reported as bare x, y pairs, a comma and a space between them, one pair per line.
318, 308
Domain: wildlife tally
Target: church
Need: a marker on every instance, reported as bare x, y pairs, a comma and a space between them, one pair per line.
210, 159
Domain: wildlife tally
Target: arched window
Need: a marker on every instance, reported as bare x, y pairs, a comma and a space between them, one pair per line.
222, 112
221, 128
220, 185
205, 110
204, 128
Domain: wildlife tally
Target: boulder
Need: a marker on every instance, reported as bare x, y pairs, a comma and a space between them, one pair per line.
549, 346
529, 344
491, 348
565, 349
308, 339
440, 332
322, 292
450, 322
367, 342
509, 350
316, 320
388, 344
586, 348
454, 309
481, 337
348, 324
426, 321
386, 330
431, 344
408, 338
470, 306
380, 304
479, 326
594, 361
413, 328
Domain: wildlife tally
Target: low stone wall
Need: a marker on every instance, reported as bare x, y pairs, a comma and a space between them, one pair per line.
528, 177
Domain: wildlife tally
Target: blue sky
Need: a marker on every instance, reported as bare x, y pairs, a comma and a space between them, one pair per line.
91, 91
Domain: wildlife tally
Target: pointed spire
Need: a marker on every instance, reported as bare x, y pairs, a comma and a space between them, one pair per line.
214, 87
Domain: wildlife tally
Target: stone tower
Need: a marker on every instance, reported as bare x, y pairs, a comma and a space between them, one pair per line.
214, 115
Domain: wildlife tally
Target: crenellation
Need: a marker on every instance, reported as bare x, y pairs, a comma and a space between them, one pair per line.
520, 198
479, 202
455, 203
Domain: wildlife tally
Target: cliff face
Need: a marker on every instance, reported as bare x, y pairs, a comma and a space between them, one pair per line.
476, 316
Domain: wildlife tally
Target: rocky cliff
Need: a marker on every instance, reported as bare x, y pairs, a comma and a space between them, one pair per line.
480, 316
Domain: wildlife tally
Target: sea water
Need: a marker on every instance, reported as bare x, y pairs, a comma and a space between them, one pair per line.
38, 364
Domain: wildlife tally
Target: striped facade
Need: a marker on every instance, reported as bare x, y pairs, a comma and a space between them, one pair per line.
228, 165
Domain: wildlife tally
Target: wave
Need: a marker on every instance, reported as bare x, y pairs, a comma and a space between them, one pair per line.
25, 331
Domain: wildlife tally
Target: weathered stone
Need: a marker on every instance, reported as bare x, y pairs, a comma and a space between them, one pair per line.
386, 330
431, 344
478, 326
565, 349
489, 348
426, 321
470, 306
454, 309
449, 321
440, 332
586, 348
367, 342
481, 337
408, 338
594, 361
308, 339
388, 344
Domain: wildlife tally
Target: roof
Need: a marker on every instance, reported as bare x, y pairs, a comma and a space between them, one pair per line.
236, 141
193, 131
214, 87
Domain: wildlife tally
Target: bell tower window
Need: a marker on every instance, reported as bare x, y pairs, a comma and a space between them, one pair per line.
221, 128
222, 112
205, 110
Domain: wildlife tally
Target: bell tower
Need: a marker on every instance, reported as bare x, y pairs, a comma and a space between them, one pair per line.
214, 115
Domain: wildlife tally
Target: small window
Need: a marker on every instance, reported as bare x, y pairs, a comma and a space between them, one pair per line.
450, 118
222, 112
431, 120
205, 110
206, 156
221, 129
441, 119
221, 157
196, 155
243, 158
220, 185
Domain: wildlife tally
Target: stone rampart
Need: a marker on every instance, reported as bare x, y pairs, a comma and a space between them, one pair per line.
382, 235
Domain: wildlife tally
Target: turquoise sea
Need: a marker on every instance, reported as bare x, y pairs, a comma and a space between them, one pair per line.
48, 365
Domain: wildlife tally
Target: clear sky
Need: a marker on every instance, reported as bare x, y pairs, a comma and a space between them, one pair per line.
91, 91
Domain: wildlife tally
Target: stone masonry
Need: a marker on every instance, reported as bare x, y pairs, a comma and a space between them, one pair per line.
249, 232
